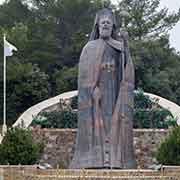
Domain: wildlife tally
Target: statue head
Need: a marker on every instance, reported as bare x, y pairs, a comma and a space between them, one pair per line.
104, 25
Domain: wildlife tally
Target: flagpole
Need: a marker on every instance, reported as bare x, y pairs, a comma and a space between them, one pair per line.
4, 128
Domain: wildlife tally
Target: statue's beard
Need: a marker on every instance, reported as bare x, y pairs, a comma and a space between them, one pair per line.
105, 33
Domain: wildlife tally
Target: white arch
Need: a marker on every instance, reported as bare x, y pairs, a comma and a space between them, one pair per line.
33, 111
27, 117
171, 106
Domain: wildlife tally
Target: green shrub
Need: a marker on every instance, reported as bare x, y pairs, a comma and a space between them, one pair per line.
141, 118
19, 147
153, 118
169, 151
147, 114
142, 101
64, 119
74, 102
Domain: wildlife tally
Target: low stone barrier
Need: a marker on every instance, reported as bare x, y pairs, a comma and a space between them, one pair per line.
16, 172
90, 175
60, 144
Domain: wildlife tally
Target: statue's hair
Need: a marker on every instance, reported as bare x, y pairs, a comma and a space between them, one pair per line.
95, 31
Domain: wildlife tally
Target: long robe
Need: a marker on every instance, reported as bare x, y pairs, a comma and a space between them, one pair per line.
104, 138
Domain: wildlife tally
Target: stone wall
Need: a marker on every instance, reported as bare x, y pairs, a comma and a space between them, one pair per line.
59, 145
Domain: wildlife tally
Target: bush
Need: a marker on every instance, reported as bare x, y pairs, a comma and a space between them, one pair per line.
142, 101
19, 147
74, 102
153, 118
169, 151
64, 119
147, 114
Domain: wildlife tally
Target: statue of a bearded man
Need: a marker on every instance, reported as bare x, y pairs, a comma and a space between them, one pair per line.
105, 99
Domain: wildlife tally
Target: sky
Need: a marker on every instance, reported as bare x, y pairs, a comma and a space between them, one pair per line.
172, 5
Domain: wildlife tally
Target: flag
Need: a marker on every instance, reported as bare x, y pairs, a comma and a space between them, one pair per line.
8, 48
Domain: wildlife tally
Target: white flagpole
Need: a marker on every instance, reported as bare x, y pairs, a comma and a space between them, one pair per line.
4, 128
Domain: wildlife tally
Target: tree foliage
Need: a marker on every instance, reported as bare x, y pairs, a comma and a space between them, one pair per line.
50, 34
157, 68
19, 147
66, 79
146, 20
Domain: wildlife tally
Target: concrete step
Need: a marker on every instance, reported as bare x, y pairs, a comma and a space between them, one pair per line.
95, 175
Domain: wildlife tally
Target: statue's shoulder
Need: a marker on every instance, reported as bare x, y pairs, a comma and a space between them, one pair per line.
90, 48
91, 44
117, 44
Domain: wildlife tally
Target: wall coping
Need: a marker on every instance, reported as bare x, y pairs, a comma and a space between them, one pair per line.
75, 130
18, 166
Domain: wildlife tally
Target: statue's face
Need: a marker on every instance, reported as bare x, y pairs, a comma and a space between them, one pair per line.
105, 27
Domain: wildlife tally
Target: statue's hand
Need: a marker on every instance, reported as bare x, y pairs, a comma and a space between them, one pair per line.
124, 34
96, 94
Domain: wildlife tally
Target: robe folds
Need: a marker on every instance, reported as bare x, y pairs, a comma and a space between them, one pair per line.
105, 133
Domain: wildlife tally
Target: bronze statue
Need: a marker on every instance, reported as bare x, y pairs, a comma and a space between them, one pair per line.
105, 99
